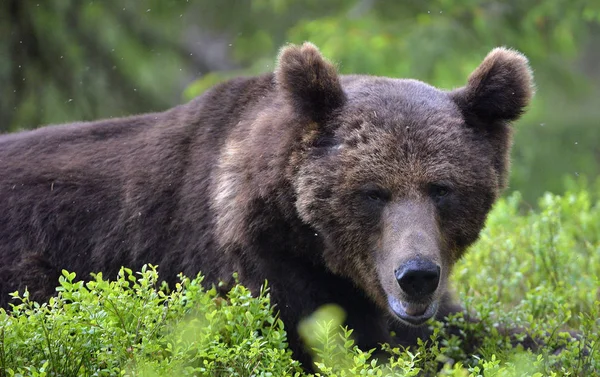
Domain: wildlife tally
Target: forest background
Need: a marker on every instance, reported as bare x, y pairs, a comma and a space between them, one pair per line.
69, 60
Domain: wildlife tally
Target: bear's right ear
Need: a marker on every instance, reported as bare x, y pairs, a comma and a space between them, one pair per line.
499, 89
310, 83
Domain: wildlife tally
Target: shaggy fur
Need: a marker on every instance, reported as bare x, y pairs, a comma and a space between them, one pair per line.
322, 184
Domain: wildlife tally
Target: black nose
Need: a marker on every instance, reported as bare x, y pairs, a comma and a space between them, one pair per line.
418, 278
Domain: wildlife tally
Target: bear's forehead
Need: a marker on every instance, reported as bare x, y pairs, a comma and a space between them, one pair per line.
399, 95
396, 103
407, 129
380, 107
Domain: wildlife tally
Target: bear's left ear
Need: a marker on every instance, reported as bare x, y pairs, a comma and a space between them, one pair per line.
310, 82
499, 89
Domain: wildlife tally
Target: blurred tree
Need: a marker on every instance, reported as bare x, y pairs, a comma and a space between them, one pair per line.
439, 41
71, 59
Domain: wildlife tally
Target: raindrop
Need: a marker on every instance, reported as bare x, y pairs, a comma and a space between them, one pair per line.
428, 12
231, 44
575, 143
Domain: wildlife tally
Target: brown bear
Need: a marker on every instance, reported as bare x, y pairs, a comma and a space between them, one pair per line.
356, 190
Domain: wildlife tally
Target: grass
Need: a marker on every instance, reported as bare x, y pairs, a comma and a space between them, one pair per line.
536, 269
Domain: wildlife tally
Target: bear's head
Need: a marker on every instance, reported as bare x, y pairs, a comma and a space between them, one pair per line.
395, 175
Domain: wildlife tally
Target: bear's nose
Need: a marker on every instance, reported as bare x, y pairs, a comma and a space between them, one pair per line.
418, 278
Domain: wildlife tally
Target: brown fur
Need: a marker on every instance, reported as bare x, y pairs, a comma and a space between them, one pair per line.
324, 185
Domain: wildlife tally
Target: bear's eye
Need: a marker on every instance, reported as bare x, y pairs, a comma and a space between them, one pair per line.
438, 191
325, 144
376, 194
326, 141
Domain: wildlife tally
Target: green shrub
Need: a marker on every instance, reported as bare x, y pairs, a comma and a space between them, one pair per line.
532, 269
132, 327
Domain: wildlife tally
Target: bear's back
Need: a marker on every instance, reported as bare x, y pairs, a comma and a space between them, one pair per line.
94, 196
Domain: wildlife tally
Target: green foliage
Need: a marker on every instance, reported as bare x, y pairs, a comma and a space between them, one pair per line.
133, 327
554, 248
537, 270
335, 353
80, 60
540, 271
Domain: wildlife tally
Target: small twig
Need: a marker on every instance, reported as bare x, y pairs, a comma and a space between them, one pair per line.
50, 353
118, 314
2, 355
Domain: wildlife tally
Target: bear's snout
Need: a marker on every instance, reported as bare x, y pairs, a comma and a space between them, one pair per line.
418, 278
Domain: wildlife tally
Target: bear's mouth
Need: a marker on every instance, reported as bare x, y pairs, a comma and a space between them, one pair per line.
412, 313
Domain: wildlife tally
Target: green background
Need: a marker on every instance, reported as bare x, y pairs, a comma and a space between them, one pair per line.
68, 60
